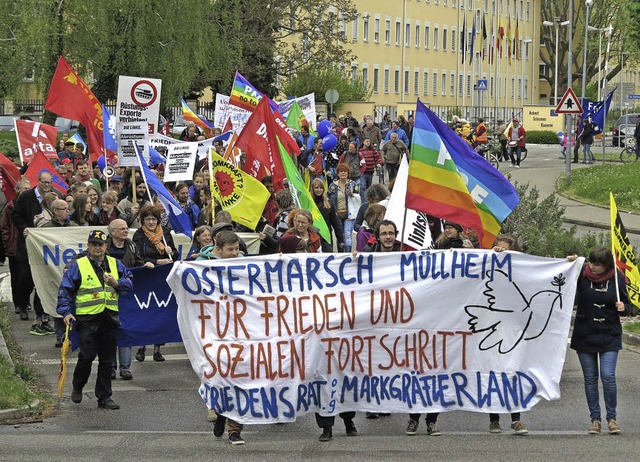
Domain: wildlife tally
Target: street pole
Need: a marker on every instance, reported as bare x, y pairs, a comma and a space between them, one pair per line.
569, 82
556, 21
588, 4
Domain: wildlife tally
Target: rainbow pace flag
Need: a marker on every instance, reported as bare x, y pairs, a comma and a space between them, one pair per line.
623, 253
191, 116
243, 94
449, 180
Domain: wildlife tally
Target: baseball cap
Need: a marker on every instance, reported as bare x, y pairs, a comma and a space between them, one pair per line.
515, 119
117, 178
98, 237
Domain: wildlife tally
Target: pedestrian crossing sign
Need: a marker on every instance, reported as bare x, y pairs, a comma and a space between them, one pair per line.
482, 85
569, 104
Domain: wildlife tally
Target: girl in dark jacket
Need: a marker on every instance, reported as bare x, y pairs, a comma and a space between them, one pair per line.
329, 214
601, 299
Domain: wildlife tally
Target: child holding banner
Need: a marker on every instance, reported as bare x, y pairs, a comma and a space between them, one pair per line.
601, 299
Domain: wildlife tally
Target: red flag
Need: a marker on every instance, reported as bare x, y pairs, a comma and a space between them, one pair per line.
259, 143
165, 129
33, 137
285, 136
9, 176
70, 97
41, 164
228, 126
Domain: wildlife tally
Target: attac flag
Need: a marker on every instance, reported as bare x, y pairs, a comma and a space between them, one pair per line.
35, 137
180, 221
9, 177
301, 195
70, 97
258, 141
191, 116
41, 164
238, 193
623, 251
448, 179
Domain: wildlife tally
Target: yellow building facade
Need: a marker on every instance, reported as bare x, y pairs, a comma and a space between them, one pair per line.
409, 49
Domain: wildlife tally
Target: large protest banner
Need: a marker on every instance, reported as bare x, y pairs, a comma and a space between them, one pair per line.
274, 337
50, 249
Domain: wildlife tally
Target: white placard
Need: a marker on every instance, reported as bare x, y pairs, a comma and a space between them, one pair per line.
181, 160
129, 133
166, 141
139, 101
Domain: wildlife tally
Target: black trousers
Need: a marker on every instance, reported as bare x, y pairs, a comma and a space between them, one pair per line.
515, 416
392, 170
24, 288
97, 335
328, 421
432, 417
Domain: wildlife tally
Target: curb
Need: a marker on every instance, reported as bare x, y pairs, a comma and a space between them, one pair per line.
630, 338
19, 413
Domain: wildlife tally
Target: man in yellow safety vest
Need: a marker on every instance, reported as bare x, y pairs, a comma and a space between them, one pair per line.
88, 298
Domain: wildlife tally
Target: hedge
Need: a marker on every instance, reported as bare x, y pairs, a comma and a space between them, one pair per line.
542, 137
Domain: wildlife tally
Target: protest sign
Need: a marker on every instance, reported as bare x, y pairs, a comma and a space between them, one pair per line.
139, 101
226, 111
274, 337
128, 134
50, 249
181, 160
161, 140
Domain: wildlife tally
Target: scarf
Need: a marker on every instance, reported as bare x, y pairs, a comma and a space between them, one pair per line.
597, 278
156, 238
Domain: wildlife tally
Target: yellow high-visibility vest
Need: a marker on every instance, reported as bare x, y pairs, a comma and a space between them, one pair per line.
93, 295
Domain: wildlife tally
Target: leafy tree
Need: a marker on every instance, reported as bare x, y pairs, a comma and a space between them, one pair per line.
314, 80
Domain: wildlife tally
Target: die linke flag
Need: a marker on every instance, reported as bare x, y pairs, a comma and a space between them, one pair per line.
70, 97
259, 143
35, 137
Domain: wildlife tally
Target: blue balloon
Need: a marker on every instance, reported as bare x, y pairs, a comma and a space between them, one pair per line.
329, 142
102, 163
324, 128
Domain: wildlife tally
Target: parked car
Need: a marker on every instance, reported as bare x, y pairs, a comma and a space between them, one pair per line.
624, 127
179, 124
66, 125
6, 124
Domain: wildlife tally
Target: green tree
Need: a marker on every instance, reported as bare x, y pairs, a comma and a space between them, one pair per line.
316, 80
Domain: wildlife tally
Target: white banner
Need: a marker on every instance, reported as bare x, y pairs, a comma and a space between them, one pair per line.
274, 337
129, 133
139, 101
308, 105
225, 111
50, 249
162, 140
181, 160
415, 233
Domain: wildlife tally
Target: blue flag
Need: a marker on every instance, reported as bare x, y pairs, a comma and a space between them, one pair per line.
76, 138
109, 123
155, 157
180, 221
598, 112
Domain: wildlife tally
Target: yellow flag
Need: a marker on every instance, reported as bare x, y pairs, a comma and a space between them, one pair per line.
64, 353
238, 193
623, 253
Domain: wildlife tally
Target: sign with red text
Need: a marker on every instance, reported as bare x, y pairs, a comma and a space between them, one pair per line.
139, 101
274, 337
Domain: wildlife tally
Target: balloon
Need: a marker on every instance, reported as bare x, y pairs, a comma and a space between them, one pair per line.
324, 128
329, 142
102, 163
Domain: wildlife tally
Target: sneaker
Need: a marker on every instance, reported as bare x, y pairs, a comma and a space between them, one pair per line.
494, 427
517, 166
613, 426
372, 415
432, 429
48, 328
29, 307
76, 395
412, 427
157, 357
125, 374
58, 343
235, 438
37, 329
212, 415
519, 428
350, 428
594, 429
24, 316
218, 426
327, 435
140, 354
113, 374
108, 404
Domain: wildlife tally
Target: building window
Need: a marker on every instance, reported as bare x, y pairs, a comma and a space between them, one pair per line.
444, 84
444, 39
519, 87
469, 85
406, 82
425, 84
435, 84
452, 84
542, 70
398, 32
407, 35
396, 84
376, 77
460, 84
376, 30
427, 36
416, 83
365, 28
436, 37
387, 31
418, 35
354, 32
453, 39
342, 27
513, 86
526, 87
528, 10
491, 87
365, 76
354, 71
386, 81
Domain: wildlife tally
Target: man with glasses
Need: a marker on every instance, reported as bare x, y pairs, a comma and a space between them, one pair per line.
60, 215
120, 247
28, 205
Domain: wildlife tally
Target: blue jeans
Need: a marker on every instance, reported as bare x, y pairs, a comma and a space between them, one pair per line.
589, 363
124, 357
518, 150
347, 227
367, 180
586, 149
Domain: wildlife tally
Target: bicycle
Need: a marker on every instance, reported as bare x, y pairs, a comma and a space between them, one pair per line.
486, 150
629, 155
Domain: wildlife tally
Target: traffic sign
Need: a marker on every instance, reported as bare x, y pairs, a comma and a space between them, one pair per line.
633, 96
569, 103
482, 85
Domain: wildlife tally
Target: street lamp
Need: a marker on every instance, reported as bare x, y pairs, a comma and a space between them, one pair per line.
600, 31
588, 4
556, 23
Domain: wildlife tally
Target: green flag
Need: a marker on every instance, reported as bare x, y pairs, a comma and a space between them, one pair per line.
301, 195
296, 119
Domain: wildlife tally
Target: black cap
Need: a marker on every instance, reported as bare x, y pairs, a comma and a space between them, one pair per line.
453, 225
98, 237
69, 143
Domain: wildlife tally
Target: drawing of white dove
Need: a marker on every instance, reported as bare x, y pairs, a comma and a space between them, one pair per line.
509, 316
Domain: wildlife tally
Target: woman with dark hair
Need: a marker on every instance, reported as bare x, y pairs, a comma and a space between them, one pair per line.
366, 234
83, 213
201, 238
329, 214
156, 246
601, 298
345, 199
